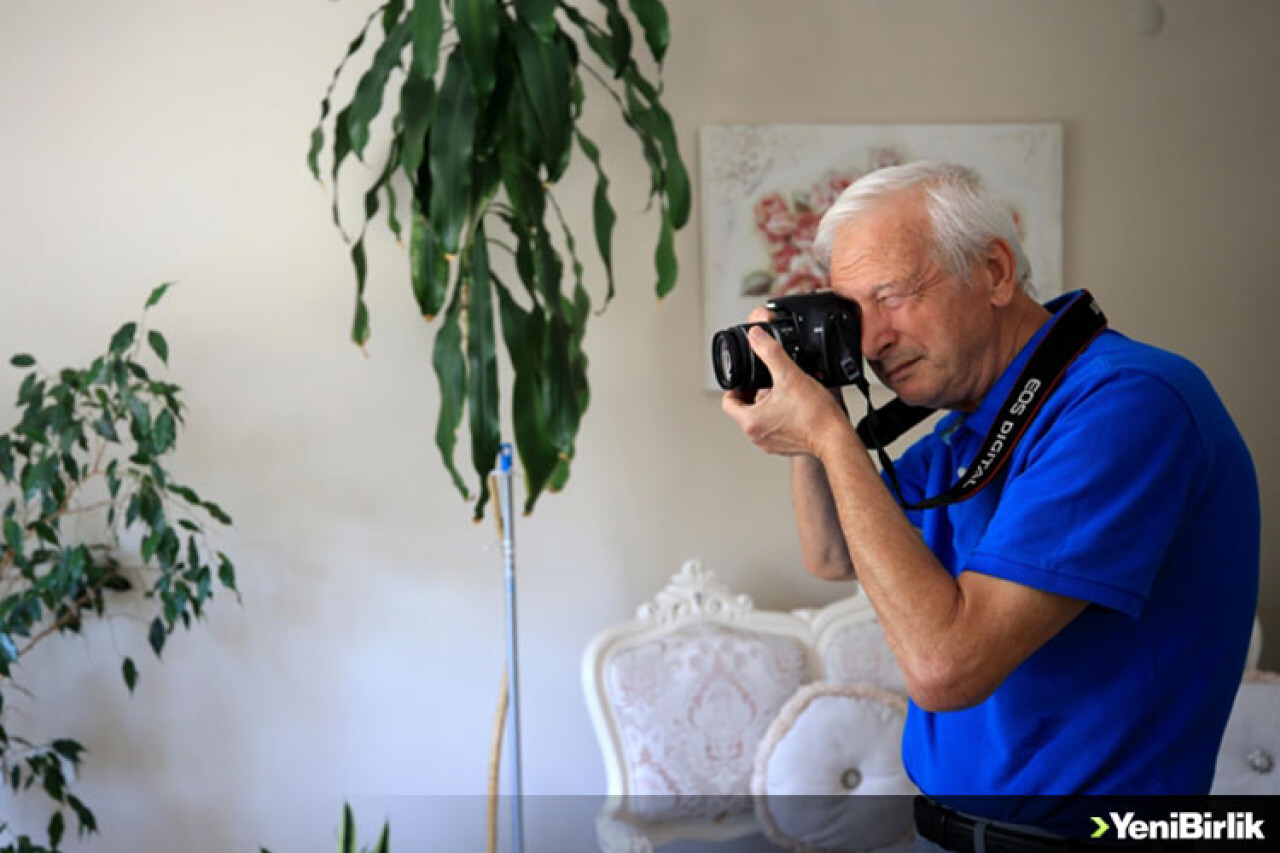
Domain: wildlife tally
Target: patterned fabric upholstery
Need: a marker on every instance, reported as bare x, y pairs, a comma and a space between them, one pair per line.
691, 707
858, 653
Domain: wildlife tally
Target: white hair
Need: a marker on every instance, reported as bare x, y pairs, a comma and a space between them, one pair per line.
964, 214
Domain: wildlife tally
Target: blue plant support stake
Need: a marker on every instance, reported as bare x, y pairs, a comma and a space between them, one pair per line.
506, 510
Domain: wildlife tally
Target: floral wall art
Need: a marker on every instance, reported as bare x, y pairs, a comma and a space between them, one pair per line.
765, 187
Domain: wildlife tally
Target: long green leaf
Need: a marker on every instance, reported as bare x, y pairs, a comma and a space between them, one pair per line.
478, 24
544, 75
366, 103
417, 109
428, 26
347, 837
452, 140
451, 372
522, 332
602, 211
538, 15
652, 16
429, 268
665, 256
619, 32
317, 135
360, 324
482, 368
656, 120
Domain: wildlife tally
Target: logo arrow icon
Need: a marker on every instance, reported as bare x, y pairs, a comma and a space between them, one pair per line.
1102, 827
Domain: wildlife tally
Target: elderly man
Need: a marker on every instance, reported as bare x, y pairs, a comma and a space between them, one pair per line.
1079, 625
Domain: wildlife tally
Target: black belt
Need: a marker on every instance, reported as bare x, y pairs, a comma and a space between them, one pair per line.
952, 830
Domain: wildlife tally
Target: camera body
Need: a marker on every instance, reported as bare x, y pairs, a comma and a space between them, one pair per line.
820, 332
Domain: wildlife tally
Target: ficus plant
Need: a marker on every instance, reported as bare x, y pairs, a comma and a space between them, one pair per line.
92, 521
488, 98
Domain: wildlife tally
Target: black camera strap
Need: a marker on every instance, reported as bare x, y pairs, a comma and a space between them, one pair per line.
1072, 329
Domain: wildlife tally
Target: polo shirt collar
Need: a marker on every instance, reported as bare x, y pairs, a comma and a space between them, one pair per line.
980, 420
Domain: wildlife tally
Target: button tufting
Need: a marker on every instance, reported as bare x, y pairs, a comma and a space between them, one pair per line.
851, 779
1260, 761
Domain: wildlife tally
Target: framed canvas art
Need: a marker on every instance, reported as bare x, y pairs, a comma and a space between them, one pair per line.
765, 187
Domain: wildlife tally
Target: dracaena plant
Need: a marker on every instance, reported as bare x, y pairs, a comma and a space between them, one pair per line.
489, 99
91, 514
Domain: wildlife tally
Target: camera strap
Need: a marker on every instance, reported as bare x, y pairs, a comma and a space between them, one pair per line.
1072, 329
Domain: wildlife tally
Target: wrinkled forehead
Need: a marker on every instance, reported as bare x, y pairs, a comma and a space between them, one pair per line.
891, 238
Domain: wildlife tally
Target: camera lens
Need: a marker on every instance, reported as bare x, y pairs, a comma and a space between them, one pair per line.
731, 357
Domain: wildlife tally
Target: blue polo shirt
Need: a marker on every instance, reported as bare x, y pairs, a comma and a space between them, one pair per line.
1132, 490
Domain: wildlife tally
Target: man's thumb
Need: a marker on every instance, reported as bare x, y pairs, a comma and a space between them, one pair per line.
767, 347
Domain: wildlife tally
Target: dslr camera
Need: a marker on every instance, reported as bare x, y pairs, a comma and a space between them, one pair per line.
820, 332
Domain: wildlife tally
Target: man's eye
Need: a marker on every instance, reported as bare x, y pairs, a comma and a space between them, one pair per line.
891, 301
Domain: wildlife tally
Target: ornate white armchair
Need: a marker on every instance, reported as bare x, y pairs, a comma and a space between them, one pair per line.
683, 696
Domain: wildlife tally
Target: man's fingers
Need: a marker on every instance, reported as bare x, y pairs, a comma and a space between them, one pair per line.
769, 350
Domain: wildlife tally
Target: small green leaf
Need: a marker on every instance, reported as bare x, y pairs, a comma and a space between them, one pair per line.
360, 325
226, 572
159, 345
8, 651
130, 674
22, 360
428, 26
57, 825
216, 511
384, 840
158, 293
156, 635
123, 338
366, 103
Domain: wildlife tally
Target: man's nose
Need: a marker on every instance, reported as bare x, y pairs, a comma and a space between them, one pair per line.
877, 336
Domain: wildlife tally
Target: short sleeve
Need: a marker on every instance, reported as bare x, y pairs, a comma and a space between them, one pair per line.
1094, 498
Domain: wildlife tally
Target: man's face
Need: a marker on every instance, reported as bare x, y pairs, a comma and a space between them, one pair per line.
925, 333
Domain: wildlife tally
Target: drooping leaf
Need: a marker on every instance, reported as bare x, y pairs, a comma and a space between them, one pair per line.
452, 139
429, 268
537, 15
159, 345
619, 32
665, 256
482, 368
156, 635
478, 23
366, 103
417, 109
360, 324
451, 372
22, 360
130, 672
652, 16
428, 25
544, 75
57, 825
522, 332
317, 135
602, 212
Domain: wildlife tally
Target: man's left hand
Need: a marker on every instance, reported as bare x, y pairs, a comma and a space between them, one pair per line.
794, 416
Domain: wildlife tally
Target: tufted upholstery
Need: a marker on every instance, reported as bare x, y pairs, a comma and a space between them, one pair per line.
1249, 760
825, 763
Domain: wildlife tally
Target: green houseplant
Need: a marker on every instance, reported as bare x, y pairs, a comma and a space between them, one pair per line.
490, 96
85, 464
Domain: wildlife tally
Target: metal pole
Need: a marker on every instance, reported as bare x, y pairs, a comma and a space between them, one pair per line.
506, 508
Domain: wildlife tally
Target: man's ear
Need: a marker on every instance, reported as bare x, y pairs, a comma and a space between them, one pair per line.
1000, 266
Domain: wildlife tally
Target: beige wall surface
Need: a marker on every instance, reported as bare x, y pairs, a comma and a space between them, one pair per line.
142, 141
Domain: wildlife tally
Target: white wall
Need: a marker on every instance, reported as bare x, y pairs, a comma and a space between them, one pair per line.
142, 141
